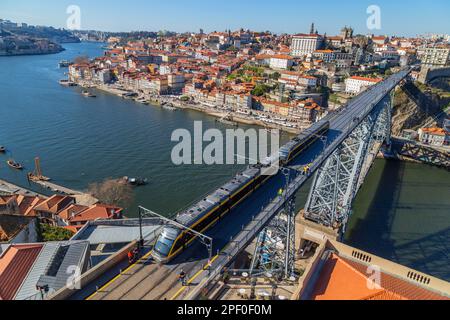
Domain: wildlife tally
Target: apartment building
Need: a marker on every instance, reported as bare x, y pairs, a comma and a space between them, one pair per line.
434, 136
436, 56
356, 85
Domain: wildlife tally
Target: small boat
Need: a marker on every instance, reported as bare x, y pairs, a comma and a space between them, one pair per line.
136, 181
142, 100
88, 94
129, 95
2, 149
14, 165
67, 83
36, 175
168, 106
228, 122
64, 64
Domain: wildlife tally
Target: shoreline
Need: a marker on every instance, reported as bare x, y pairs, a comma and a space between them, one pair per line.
31, 54
158, 101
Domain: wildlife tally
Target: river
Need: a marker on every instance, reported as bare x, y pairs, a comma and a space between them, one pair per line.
401, 213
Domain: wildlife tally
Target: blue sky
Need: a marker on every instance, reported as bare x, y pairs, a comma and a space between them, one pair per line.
398, 17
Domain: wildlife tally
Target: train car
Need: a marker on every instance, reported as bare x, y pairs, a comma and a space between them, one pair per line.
303, 141
207, 212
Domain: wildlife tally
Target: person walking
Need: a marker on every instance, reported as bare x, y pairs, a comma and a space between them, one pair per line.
182, 278
130, 257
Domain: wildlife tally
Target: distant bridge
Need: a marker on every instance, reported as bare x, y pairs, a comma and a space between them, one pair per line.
414, 150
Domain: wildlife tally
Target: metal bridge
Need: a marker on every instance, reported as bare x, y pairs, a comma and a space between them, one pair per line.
339, 164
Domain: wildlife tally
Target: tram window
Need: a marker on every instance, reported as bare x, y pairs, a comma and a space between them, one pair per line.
163, 246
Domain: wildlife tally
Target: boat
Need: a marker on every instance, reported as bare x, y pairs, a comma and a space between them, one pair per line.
129, 95
64, 64
88, 94
14, 165
67, 83
169, 107
2, 149
142, 100
136, 181
36, 175
228, 120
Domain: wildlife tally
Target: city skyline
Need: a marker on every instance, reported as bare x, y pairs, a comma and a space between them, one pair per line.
286, 16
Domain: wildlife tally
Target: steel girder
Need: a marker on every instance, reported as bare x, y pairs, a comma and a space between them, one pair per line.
338, 180
275, 248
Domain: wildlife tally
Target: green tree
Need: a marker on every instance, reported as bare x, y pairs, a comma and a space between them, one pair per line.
50, 233
275, 76
260, 90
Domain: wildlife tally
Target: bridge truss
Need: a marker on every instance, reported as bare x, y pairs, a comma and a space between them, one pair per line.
275, 247
342, 174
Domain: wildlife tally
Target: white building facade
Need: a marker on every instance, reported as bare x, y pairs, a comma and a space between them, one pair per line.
304, 44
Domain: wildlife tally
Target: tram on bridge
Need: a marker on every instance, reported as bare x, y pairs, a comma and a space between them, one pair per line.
207, 212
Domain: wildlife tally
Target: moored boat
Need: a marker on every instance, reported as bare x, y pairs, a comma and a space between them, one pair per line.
36, 175
64, 64
67, 83
168, 106
14, 165
2, 149
88, 94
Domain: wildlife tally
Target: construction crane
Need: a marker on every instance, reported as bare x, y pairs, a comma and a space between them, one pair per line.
36, 175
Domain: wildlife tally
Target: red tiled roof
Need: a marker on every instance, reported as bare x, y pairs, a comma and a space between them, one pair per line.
54, 204
435, 131
71, 210
344, 279
15, 264
96, 212
376, 80
74, 229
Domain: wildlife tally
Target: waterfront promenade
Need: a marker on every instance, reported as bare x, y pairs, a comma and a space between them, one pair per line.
10, 188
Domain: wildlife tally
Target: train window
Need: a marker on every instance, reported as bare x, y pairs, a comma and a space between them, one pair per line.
163, 246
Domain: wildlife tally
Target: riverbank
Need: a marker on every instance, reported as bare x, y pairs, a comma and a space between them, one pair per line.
7, 187
175, 101
33, 53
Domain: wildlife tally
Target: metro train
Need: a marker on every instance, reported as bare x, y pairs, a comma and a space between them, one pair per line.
207, 212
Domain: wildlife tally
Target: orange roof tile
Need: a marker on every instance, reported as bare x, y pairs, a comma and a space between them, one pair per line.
435, 131
344, 279
366, 79
14, 266
54, 204
96, 212
71, 211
